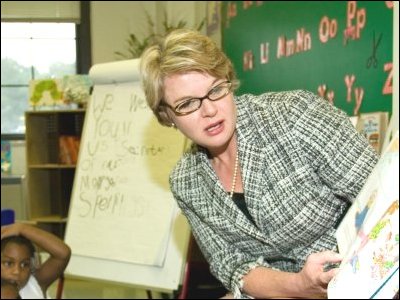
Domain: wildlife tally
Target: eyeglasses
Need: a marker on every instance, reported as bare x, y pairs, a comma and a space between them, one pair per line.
191, 105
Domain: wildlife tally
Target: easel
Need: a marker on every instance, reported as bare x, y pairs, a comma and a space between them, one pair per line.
183, 291
197, 265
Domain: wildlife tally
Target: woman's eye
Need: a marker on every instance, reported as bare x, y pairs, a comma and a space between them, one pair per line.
186, 104
216, 90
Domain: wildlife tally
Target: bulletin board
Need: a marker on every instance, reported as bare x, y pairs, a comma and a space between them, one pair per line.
341, 50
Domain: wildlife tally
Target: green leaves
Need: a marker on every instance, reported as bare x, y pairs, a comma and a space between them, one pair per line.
135, 46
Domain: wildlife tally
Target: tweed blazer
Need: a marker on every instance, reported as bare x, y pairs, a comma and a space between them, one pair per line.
302, 164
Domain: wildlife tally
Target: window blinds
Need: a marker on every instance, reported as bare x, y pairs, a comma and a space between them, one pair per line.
40, 11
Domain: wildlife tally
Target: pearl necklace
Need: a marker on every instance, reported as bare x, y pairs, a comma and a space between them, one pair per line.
234, 175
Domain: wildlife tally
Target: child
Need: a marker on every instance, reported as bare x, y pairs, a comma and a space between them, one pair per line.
18, 257
9, 290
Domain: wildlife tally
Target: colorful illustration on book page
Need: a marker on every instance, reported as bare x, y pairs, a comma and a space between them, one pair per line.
372, 261
380, 189
370, 231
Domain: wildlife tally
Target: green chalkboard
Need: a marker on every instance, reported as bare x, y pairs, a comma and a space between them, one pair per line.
318, 46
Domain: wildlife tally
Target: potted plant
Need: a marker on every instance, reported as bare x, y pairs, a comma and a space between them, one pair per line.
136, 46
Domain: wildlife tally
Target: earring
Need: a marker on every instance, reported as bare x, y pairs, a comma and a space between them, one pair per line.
173, 125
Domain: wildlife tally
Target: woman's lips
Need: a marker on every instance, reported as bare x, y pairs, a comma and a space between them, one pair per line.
215, 128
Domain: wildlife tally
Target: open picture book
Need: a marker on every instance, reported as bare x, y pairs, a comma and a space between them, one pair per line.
368, 236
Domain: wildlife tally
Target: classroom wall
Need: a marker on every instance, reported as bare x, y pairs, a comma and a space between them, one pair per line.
112, 22
191, 11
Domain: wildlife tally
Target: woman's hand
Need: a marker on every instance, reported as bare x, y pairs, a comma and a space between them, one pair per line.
313, 277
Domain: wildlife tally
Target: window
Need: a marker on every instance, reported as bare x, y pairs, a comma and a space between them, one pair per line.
31, 51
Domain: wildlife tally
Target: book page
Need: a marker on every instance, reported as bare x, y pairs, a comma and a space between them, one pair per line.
368, 236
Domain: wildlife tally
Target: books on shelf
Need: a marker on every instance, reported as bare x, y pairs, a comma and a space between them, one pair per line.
368, 236
373, 126
68, 149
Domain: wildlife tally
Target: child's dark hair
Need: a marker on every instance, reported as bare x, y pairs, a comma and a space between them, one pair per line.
19, 240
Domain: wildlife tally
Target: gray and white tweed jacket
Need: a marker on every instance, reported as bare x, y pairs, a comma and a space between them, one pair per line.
302, 164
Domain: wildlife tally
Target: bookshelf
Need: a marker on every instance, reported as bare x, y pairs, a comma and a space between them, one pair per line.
50, 181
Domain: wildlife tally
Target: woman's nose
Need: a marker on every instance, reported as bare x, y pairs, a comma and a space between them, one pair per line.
208, 108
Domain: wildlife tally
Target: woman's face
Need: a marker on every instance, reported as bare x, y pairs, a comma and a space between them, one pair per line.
16, 264
213, 124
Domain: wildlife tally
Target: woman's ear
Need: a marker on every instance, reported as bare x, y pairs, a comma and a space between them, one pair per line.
165, 117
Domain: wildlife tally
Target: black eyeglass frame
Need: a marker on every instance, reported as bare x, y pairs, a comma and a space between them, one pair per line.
200, 98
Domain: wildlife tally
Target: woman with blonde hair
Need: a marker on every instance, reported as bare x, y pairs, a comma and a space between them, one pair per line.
268, 178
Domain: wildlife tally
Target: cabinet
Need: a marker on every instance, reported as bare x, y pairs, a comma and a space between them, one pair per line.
50, 181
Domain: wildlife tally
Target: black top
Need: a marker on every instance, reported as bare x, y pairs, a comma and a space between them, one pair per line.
238, 198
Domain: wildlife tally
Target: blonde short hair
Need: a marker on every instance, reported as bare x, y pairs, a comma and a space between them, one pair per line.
180, 51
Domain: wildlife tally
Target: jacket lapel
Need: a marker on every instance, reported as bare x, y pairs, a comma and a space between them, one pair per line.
251, 159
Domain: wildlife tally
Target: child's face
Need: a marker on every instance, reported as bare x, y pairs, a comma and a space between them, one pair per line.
16, 264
